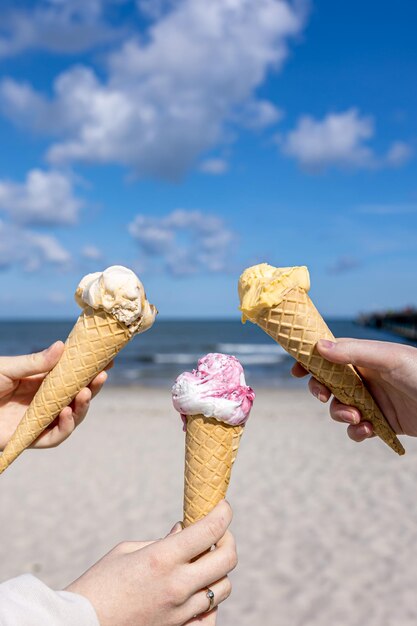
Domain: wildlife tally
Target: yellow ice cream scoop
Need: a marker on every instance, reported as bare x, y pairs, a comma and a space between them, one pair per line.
264, 286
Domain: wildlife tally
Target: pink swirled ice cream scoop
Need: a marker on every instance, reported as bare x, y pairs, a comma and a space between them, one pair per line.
216, 389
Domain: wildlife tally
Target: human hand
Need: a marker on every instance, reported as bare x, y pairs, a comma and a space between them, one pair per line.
164, 582
21, 377
390, 373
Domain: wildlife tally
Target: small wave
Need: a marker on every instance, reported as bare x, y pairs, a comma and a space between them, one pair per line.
261, 359
182, 357
124, 375
250, 348
130, 374
248, 355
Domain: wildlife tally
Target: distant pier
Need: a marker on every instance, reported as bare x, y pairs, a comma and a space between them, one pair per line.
402, 323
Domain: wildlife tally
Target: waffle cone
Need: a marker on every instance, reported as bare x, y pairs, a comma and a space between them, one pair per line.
210, 451
94, 341
296, 325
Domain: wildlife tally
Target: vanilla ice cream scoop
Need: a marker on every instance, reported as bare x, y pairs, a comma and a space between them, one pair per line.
264, 286
118, 291
216, 389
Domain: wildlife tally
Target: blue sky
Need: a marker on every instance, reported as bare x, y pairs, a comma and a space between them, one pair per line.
189, 139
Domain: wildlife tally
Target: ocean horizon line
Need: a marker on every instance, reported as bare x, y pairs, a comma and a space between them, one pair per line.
335, 318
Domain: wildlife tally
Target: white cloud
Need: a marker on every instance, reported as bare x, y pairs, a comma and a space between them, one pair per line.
29, 249
91, 253
60, 26
184, 242
398, 154
45, 198
387, 209
155, 8
259, 114
169, 96
339, 139
214, 166
57, 298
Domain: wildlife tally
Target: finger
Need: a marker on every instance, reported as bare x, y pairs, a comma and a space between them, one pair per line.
130, 547
298, 370
377, 355
97, 383
342, 413
199, 603
361, 431
207, 619
214, 564
27, 387
80, 405
200, 536
64, 425
53, 436
177, 528
17, 367
318, 390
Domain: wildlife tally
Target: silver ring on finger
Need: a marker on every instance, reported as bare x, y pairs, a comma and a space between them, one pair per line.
210, 598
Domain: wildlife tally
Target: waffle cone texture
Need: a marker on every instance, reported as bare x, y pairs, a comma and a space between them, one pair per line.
210, 451
296, 325
94, 341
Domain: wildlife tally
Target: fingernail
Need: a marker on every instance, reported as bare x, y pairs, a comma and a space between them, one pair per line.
349, 417
364, 430
50, 349
318, 394
325, 343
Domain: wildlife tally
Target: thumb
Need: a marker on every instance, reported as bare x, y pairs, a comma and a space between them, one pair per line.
375, 355
16, 367
177, 528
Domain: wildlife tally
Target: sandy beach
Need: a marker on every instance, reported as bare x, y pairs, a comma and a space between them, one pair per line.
326, 529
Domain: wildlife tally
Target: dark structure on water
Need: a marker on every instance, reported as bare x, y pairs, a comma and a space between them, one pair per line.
403, 323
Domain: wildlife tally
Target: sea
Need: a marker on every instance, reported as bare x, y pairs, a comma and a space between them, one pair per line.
156, 357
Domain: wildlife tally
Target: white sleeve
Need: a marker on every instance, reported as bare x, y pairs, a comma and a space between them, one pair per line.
26, 601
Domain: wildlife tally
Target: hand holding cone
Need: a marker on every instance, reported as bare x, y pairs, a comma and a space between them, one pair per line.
276, 299
214, 403
96, 338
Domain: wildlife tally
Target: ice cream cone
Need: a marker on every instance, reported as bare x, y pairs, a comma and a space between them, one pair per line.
114, 308
214, 402
94, 341
296, 325
210, 451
